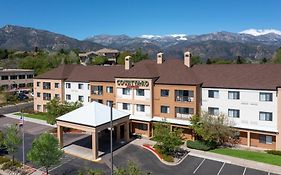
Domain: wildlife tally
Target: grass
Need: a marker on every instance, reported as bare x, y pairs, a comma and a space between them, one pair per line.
39, 115
250, 155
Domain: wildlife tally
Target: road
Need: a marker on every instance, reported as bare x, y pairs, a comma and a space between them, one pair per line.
15, 108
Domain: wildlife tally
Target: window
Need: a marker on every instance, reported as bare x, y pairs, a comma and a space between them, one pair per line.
21, 76
213, 111
265, 139
164, 93
109, 89
46, 85
46, 96
57, 96
4, 77
88, 86
265, 116
38, 94
141, 126
184, 95
57, 85
38, 84
21, 85
213, 93
13, 77
183, 112
109, 103
99, 101
38, 107
68, 85
126, 91
235, 95
140, 92
97, 90
126, 106
29, 84
140, 108
81, 98
80, 86
265, 96
234, 113
68, 97
165, 109
29, 76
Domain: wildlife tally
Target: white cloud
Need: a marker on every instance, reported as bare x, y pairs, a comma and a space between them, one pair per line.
258, 32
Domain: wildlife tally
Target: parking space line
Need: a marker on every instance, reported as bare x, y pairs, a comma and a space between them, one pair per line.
221, 168
198, 166
268, 173
244, 171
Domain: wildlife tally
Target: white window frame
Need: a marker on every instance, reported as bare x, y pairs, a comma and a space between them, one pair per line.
213, 93
234, 113
265, 116
67, 85
140, 108
266, 96
67, 95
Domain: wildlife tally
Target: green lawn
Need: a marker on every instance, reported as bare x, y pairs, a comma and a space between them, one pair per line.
250, 155
40, 115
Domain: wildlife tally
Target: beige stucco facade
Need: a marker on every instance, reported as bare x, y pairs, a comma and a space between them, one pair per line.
105, 96
40, 98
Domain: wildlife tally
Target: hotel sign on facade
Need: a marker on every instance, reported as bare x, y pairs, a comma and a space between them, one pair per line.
129, 83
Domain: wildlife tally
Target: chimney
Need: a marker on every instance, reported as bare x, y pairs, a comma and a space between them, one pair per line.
187, 59
160, 58
128, 62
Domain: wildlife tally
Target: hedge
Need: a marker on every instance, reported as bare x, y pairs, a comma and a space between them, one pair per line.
201, 145
274, 152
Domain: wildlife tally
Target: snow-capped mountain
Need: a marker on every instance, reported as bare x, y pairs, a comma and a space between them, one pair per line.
259, 32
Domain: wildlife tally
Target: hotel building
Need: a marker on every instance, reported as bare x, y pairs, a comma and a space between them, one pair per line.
174, 90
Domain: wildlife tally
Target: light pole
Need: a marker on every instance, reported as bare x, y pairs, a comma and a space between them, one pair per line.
111, 140
23, 148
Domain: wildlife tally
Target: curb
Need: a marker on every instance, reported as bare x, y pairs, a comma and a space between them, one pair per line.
163, 161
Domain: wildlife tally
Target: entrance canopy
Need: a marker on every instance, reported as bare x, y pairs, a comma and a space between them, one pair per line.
93, 118
93, 115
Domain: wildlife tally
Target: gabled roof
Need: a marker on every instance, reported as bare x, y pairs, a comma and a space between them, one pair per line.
240, 76
60, 73
95, 73
171, 71
93, 114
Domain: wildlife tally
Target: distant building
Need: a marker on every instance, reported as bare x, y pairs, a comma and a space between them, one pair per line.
110, 54
15, 79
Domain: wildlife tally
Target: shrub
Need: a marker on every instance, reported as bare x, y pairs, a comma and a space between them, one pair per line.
10, 165
201, 145
3, 160
275, 152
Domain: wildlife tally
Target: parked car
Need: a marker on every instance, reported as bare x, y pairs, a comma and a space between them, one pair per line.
22, 96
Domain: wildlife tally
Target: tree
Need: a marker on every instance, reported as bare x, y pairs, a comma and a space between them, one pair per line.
45, 151
12, 140
138, 56
131, 169
196, 60
98, 60
277, 56
55, 108
239, 60
213, 128
1, 141
121, 57
263, 61
167, 140
208, 61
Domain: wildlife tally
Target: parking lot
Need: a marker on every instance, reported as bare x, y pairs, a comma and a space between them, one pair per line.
191, 165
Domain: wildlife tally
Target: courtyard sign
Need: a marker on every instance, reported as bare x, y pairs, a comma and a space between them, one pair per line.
133, 83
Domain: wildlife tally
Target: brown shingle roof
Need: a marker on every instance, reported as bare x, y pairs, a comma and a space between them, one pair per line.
169, 72
95, 73
246, 76
60, 73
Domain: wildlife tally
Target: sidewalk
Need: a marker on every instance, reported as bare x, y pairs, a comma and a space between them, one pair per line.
221, 158
33, 120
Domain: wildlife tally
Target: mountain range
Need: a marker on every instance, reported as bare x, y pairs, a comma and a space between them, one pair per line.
252, 44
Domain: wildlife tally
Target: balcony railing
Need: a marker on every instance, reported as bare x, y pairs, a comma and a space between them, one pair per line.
182, 116
97, 92
184, 99
46, 87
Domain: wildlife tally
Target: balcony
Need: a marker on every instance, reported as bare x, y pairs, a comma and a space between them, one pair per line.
182, 116
184, 99
97, 93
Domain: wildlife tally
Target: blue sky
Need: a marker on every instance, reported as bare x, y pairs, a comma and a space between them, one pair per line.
83, 18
